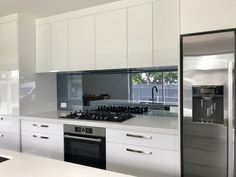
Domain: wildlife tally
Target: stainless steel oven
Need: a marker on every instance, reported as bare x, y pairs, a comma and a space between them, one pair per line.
85, 145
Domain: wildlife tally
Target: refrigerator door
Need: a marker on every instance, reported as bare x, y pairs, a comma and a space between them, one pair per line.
207, 105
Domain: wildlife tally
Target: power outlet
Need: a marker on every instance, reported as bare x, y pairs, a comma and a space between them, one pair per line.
63, 105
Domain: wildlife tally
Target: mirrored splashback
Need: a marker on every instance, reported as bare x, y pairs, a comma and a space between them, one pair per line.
155, 88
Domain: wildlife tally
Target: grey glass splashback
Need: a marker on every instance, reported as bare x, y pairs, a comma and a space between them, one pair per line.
79, 91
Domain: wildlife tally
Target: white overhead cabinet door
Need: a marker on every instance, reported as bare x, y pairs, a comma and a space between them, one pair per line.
207, 15
8, 46
140, 36
111, 40
82, 43
166, 32
59, 46
43, 48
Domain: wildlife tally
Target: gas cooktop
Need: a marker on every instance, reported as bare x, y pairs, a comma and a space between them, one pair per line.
99, 116
108, 113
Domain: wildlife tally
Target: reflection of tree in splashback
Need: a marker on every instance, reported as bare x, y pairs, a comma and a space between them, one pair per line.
170, 77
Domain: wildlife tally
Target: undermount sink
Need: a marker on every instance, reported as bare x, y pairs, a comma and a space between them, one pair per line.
150, 102
4, 158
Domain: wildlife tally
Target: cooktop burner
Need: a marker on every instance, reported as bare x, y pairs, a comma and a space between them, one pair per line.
99, 116
123, 109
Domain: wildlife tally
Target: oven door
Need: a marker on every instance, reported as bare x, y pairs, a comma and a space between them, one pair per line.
85, 150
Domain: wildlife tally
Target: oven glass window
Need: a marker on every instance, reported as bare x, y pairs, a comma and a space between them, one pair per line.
85, 152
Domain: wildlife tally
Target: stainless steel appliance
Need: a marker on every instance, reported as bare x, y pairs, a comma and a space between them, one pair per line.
85, 145
207, 104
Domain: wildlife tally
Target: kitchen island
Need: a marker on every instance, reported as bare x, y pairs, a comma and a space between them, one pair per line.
24, 165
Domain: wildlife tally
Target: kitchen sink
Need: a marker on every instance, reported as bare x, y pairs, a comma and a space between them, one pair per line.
3, 159
150, 102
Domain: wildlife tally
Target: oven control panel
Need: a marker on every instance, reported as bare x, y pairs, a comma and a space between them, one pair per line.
84, 130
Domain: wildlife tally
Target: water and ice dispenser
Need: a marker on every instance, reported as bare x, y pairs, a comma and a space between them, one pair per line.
208, 104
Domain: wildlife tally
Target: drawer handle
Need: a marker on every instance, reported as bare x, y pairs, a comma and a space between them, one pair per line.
35, 136
44, 126
139, 136
1, 118
138, 151
1, 136
44, 137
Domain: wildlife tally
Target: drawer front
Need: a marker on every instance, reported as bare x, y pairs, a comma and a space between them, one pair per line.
10, 141
141, 161
44, 145
161, 141
9, 124
40, 127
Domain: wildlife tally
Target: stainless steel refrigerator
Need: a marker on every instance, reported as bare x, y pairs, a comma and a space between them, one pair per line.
207, 104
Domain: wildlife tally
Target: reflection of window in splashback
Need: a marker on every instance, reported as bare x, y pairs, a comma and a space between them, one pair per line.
69, 91
165, 81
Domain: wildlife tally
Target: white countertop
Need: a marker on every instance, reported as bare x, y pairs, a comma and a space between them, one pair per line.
24, 165
148, 123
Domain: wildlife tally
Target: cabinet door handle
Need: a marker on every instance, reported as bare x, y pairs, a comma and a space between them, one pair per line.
44, 126
1, 136
1, 118
138, 151
35, 125
35, 136
44, 137
139, 136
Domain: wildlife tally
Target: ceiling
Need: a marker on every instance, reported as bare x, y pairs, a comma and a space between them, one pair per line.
43, 8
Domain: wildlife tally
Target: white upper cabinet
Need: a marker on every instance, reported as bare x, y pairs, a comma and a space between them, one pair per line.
111, 40
119, 35
8, 46
140, 36
59, 42
81, 33
166, 32
43, 48
207, 15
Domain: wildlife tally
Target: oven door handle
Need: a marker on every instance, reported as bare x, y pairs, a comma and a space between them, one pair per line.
84, 138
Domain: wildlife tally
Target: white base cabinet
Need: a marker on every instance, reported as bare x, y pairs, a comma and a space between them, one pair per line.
43, 139
141, 161
10, 133
142, 153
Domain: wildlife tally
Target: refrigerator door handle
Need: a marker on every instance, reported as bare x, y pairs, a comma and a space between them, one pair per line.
230, 119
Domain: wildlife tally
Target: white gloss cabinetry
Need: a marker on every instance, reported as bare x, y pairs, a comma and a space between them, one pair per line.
142, 153
43, 48
81, 46
10, 133
51, 47
111, 44
43, 139
207, 15
140, 35
8, 46
59, 44
166, 45
122, 34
